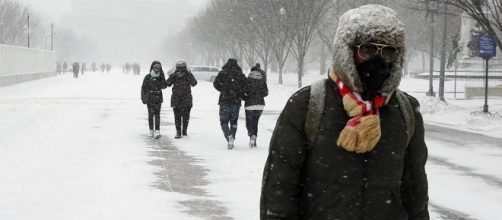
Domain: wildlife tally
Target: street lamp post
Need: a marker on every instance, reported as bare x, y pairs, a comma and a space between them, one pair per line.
442, 67
431, 61
28, 26
52, 37
1, 33
282, 13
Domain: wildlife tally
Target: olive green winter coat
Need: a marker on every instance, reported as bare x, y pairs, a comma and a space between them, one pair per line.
325, 181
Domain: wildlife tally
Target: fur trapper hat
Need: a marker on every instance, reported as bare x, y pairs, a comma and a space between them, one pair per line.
368, 23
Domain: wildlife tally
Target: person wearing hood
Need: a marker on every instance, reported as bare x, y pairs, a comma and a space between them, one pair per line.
254, 93
257, 67
151, 95
367, 157
182, 81
230, 82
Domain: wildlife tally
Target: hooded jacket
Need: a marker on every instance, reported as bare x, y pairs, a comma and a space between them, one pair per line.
324, 181
230, 82
256, 89
151, 89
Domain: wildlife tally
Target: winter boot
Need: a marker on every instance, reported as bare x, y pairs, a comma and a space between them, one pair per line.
156, 134
230, 142
178, 135
151, 133
252, 141
184, 133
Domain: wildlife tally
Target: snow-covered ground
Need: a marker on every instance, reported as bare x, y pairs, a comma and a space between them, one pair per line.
75, 149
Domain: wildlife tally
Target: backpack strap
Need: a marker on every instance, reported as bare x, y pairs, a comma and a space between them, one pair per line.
408, 114
315, 109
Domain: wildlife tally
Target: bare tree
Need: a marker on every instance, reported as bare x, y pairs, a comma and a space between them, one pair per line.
308, 14
13, 24
488, 13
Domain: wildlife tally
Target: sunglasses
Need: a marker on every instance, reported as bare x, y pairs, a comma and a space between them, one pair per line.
368, 50
156, 68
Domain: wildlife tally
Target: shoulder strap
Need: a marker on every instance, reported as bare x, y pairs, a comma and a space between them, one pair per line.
315, 109
408, 114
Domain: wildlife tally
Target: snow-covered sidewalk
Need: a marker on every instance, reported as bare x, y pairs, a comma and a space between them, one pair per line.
77, 149
72, 149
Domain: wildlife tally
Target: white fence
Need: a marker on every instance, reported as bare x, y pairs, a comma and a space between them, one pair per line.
21, 64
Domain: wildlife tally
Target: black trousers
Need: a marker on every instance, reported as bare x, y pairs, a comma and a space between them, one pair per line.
154, 113
181, 118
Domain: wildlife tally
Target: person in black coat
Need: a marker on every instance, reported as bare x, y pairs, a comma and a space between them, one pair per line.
181, 100
230, 83
151, 95
255, 91
76, 68
363, 154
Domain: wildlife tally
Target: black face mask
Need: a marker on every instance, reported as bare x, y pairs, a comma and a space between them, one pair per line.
373, 74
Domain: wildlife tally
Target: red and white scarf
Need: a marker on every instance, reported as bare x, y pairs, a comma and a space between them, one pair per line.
362, 131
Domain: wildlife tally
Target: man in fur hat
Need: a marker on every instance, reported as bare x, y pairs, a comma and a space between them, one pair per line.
367, 156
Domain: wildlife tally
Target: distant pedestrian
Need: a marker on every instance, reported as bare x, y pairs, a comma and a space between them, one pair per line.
76, 68
102, 67
82, 69
182, 81
127, 67
58, 68
108, 67
230, 82
151, 95
254, 92
65, 67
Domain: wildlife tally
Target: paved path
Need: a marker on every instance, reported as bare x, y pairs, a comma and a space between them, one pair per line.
180, 174
460, 140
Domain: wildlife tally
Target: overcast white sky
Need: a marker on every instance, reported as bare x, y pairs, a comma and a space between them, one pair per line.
54, 8
121, 30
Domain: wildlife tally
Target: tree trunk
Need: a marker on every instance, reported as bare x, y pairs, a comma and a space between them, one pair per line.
301, 62
280, 66
423, 62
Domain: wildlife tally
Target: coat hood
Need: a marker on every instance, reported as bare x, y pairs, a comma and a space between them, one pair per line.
153, 64
232, 65
367, 23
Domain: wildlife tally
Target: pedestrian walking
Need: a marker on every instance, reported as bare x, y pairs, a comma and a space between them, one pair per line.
151, 95
182, 81
76, 68
83, 68
230, 82
351, 146
65, 67
108, 67
254, 93
58, 68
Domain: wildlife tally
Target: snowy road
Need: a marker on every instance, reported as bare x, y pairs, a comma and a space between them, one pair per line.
77, 149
